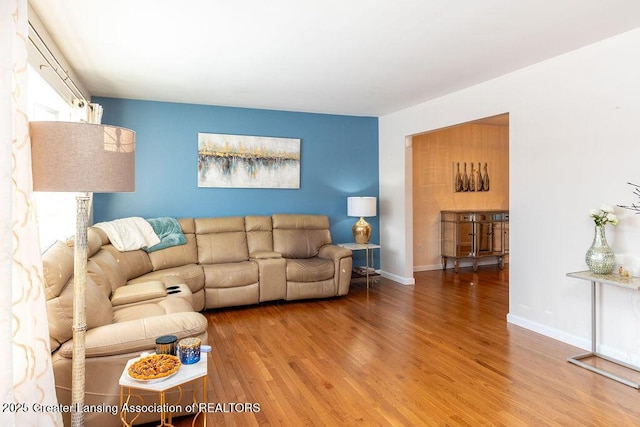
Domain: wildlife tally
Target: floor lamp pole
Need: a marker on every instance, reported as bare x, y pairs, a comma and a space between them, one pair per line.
79, 312
87, 158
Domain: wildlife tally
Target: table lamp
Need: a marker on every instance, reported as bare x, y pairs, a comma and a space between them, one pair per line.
361, 207
83, 158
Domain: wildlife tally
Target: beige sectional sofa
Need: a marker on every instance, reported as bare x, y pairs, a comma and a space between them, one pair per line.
134, 296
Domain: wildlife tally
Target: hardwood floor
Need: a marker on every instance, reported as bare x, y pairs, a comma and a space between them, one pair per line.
439, 353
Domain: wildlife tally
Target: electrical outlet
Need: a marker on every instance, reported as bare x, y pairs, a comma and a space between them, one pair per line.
419, 248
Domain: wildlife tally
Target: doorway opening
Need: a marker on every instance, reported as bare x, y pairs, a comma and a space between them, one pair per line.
479, 150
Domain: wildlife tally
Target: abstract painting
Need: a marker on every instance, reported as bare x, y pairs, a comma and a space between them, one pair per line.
238, 161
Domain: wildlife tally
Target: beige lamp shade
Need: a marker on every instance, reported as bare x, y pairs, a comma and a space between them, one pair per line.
82, 157
361, 206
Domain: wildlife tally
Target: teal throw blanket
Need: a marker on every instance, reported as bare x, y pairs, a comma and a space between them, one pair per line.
168, 230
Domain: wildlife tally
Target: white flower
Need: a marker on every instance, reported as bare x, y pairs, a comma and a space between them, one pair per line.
603, 216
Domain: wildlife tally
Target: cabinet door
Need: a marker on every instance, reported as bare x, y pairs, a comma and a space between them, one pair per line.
505, 233
497, 238
449, 238
465, 245
489, 238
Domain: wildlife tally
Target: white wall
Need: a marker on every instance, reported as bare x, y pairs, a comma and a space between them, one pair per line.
574, 144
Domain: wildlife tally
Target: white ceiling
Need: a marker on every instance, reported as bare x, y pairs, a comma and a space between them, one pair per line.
357, 57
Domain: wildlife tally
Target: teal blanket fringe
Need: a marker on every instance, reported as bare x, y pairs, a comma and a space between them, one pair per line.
168, 230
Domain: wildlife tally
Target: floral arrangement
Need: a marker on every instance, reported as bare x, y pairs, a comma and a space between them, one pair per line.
603, 216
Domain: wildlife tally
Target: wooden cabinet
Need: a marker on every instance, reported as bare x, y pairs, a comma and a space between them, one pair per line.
474, 235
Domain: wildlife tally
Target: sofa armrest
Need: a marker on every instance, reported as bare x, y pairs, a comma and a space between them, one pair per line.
138, 292
343, 263
334, 252
137, 335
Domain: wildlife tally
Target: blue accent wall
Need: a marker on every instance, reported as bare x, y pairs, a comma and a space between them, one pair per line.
338, 155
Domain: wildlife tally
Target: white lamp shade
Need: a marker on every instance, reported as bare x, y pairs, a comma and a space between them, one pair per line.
361, 206
82, 157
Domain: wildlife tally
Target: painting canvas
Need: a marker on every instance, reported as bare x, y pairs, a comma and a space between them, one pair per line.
238, 161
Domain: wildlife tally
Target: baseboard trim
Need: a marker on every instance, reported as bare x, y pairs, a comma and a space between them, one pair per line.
582, 343
399, 279
427, 267
549, 332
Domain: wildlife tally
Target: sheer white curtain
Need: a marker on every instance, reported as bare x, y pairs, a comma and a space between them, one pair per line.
26, 377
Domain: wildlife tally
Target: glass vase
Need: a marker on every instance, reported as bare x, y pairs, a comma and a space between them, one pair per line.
600, 257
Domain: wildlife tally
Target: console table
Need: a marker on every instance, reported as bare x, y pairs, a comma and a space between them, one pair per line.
474, 235
632, 283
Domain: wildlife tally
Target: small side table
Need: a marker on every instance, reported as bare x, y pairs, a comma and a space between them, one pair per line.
186, 374
632, 283
369, 251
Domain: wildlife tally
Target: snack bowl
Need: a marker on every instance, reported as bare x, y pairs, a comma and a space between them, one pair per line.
151, 381
153, 368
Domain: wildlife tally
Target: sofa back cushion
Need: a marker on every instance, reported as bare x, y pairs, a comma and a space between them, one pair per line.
98, 276
132, 263
60, 312
259, 234
300, 236
57, 264
221, 240
109, 267
177, 256
96, 238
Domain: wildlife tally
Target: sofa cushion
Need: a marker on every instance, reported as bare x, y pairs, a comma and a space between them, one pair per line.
57, 264
175, 256
132, 263
60, 310
230, 275
187, 225
96, 238
309, 270
190, 274
221, 240
109, 266
300, 236
137, 335
166, 306
259, 233
99, 277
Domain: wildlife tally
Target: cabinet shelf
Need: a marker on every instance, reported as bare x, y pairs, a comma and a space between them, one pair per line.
474, 234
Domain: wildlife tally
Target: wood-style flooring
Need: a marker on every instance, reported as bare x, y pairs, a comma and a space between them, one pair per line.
439, 353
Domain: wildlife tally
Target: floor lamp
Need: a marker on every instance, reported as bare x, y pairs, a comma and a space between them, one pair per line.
83, 158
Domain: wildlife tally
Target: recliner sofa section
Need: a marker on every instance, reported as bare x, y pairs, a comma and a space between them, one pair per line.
234, 261
133, 297
122, 321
